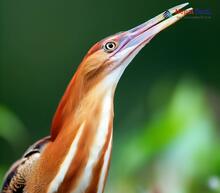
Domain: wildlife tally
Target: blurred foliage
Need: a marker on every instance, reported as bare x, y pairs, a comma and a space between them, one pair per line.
13, 138
175, 151
166, 129
11, 128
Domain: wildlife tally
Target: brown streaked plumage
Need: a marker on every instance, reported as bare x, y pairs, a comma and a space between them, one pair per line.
76, 157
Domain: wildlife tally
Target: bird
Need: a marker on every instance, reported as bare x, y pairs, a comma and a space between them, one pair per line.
75, 157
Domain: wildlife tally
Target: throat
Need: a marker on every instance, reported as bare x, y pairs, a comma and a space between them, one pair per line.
95, 169
85, 163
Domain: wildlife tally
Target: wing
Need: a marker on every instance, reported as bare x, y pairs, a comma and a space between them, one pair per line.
15, 178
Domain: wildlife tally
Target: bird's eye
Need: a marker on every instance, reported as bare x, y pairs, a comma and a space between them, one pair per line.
110, 46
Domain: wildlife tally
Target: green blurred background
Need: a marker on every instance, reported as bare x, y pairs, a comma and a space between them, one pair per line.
167, 104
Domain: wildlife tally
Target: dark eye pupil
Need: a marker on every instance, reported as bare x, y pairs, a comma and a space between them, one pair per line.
110, 46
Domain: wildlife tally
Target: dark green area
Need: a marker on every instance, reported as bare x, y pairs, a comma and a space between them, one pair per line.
166, 103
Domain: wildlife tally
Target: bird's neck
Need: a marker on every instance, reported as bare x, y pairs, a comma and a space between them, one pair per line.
85, 136
80, 101
82, 147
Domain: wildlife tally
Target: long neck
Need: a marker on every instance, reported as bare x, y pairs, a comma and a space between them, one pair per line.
91, 145
81, 141
80, 97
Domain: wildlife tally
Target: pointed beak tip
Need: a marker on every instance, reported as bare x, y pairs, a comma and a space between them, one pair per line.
144, 33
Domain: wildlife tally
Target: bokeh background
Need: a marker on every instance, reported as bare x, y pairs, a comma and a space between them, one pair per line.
167, 104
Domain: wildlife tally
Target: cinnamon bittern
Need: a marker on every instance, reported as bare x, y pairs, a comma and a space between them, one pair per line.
75, 157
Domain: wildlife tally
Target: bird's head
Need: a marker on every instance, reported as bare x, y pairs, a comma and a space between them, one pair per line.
104, 64
107, 59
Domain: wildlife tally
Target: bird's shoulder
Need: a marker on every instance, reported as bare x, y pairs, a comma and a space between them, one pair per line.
16, 177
